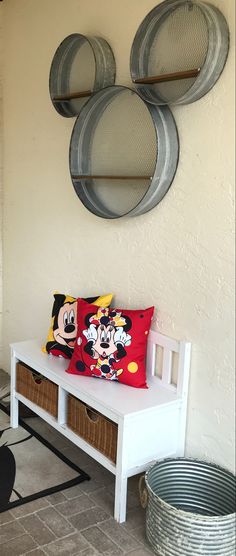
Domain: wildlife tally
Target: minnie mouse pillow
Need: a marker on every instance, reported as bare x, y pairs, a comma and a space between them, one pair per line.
111, 344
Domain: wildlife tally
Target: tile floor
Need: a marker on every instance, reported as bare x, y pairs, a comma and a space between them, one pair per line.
76, 521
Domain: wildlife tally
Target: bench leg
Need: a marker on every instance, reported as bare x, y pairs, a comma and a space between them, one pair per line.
14, 401
120, 499
14, 413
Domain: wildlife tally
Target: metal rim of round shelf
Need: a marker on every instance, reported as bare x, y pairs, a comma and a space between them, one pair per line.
205, 76
82, 135
105, 72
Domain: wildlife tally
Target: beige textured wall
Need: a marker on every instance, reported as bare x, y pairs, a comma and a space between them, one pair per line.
180, 256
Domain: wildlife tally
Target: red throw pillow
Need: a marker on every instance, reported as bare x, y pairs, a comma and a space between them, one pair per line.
111, 343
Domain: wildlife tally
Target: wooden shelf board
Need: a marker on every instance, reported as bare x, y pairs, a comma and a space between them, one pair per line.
99, 177
72, 96
150, 80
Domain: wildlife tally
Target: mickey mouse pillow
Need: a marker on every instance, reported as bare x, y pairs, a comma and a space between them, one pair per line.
111, 344
63, 330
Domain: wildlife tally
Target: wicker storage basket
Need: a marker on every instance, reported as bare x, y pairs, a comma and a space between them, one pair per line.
93, 427
37, 388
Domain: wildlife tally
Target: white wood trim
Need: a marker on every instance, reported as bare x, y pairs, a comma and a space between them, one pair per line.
163, 341
121, 475
170, 387
62, 405
183, 369
167, 366
170, 346
182, 390
14, 401
145, 466
151, 358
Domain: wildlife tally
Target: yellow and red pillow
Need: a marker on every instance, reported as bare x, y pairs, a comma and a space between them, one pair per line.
111, 343
63, 329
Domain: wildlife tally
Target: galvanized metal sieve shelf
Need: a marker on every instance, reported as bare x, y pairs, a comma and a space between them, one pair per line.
153, 186
81, 66
179, 51
190, 509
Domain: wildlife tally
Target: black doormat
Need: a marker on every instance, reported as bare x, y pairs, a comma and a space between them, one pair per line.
30, 467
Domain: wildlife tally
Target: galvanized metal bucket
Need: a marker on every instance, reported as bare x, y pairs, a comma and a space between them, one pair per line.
190, 508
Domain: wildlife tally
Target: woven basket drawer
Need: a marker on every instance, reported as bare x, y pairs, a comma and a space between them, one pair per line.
93, 427
37, 388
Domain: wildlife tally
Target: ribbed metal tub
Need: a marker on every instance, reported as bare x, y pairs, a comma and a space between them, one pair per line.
191, 508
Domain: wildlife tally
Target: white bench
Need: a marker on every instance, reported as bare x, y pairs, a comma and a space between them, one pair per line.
151, 423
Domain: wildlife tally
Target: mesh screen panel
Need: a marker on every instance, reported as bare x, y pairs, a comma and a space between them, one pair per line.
82, 75
82, 70
124, 144
180, 44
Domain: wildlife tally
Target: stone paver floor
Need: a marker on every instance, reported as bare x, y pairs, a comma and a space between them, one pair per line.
77, 521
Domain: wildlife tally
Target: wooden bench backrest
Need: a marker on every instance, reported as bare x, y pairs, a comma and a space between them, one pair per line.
165, 373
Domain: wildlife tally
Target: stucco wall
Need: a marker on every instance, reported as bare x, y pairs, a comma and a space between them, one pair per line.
179, 257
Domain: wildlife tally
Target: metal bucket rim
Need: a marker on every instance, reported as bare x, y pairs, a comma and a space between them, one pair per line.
199, 517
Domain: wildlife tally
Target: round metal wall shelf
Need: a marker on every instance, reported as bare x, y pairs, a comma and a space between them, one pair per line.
81, 66
123, 153
179, 52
